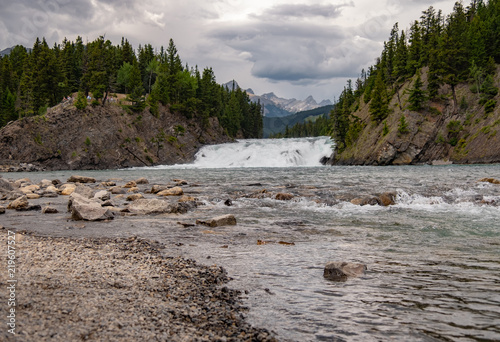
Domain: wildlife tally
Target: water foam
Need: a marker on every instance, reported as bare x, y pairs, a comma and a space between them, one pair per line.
266, 153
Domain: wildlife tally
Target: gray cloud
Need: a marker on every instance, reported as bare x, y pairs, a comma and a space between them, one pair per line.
303, 10
270, 45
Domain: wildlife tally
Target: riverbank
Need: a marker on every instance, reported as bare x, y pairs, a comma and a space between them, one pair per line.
71, 289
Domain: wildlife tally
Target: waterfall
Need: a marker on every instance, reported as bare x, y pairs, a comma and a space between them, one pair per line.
265, 153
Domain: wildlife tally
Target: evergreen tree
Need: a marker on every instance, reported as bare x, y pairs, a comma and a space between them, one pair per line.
417, 95
379, 107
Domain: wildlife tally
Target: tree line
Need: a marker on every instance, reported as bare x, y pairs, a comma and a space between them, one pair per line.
31, 80
461, 47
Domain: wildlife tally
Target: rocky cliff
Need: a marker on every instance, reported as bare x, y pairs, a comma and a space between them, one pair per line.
443, 132
104, 138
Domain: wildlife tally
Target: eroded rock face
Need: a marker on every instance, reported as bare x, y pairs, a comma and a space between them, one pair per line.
82, 208
341, 271
66, 129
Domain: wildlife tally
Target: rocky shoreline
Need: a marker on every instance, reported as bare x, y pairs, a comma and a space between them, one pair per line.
120, 290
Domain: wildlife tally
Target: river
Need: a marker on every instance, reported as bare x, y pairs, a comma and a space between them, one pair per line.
433, 258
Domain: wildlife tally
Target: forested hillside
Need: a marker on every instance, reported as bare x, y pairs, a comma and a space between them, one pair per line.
433, 93
32, 80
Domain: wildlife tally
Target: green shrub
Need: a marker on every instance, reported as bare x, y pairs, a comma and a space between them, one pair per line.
490, 106
385, 130
87, 141
81, 101
403, 125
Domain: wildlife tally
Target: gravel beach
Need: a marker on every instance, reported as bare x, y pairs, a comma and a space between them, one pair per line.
89, 289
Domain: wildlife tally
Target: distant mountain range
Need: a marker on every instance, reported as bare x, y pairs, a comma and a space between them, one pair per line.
275, 106
5, 52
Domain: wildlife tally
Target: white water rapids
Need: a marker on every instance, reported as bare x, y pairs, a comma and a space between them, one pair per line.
251, 153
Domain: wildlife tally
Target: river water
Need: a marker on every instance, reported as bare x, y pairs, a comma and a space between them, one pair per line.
433, 258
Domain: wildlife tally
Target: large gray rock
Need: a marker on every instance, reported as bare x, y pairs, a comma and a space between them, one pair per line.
5, 185
102, 195
81, 179
341, 271
224, 220
84, 190
82, 208
152, 206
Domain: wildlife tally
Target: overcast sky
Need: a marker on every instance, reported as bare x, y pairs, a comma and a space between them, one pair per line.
292, 48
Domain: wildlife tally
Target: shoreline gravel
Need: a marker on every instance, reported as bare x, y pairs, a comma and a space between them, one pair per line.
123, 289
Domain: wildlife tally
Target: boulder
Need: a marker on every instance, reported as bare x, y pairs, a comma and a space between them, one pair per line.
134, 189
102, 195
107, 184
67, 189
366, 201
80, 179
45, 183
29, 189
134, 197
151, 206
21, 202
130, 184
175, 191
5, 185
180, 182
84, 190
341, 271
186, 198
141, 180
2, 210
31, 207
49, 210
32, 196
22, 182
388, 198
118, 190
51, 188
82, 208
284, 197
50, 194
157, 188
224, 220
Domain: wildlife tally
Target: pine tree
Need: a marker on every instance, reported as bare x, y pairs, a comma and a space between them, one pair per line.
379, 107
417, 94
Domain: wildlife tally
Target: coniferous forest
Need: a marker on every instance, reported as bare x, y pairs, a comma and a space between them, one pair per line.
32, 80
462, 47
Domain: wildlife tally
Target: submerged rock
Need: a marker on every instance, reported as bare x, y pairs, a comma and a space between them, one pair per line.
490, 180
2, 210
141, 180
224, 220
341, 271
81, 179
284, 197
175, 191
82, 208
